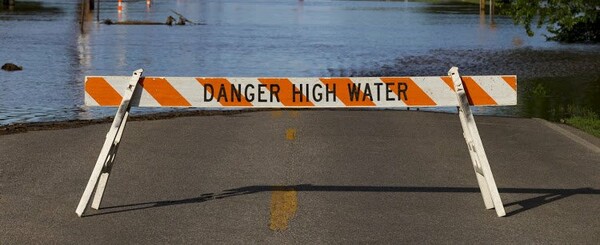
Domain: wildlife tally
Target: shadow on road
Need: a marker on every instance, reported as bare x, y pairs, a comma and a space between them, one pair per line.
549, 195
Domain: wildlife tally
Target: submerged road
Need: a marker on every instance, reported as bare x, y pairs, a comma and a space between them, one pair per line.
302, 177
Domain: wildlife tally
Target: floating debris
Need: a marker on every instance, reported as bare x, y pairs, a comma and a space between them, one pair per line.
183, 20
170, 20
11, 67
132, 22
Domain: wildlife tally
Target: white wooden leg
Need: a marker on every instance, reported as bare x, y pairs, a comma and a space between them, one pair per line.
485, 191
100, 190
111, 140
95, 173
483, 187
487, 171
485, 179
108, 165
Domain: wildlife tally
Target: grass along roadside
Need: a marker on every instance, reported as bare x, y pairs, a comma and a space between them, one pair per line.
584, 119
574, 100
589, 124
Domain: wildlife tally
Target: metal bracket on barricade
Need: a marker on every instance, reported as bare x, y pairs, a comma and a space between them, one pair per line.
359, 92
107, 156
485, 179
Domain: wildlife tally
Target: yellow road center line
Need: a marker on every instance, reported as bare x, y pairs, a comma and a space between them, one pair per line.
284, 203
276, 114
290, 134
294, 114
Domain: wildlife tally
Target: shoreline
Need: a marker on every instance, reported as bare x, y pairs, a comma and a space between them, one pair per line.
76, 123
573, 132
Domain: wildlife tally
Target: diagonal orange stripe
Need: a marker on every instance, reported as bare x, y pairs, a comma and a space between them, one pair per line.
511, 81
414, 94
285, 92
102, 92
343, 92
223, 85
448, 81
475, 94
163, 92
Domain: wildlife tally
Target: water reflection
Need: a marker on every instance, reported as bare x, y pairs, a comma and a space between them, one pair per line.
557, 98
299, 12
122, 15
28, 8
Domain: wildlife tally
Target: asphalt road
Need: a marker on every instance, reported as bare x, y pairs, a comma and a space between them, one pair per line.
301, 177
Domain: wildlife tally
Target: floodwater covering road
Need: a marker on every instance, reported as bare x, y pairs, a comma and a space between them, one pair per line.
279, 38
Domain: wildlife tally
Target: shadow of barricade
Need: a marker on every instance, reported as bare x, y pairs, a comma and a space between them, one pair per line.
547, 195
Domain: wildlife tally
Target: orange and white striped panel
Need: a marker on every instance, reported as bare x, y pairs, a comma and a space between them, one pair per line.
269, 92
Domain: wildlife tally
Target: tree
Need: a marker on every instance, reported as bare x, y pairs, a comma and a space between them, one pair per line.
567, 20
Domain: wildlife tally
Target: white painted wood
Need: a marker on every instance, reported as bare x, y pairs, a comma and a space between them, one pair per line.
100, 190
193, 92
485, 191
497, 88
436, 89
487, 185
189, 87
108, 165
483, 187
372, 82
89, 101
108, 147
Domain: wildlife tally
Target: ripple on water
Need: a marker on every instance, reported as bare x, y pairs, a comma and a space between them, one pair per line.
261, 38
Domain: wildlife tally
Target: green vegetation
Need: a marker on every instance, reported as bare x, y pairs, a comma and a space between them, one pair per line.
590, 125
32, 7
571, 100
567, 20
583, 118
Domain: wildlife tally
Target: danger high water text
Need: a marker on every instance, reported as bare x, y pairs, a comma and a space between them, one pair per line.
306, 92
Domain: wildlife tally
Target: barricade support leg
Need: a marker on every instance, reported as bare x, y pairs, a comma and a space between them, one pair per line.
108, 166
485, 179
101, 172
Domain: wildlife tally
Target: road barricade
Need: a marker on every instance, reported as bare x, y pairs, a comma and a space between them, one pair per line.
340, 92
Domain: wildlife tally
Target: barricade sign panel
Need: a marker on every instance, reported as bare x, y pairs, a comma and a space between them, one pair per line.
390, 92
341, 92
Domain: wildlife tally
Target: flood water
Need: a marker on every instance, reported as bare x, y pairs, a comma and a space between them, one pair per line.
278, 38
